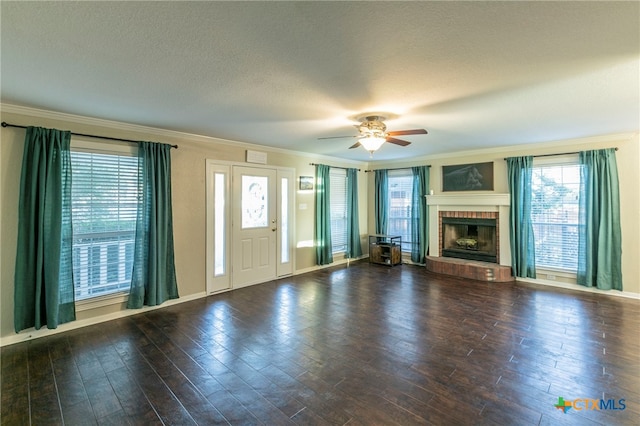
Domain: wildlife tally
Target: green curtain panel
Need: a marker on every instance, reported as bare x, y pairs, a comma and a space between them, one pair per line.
419, 214
600, 236
154, 274
354, 248
381, 200
519, 174
44, 292
324, 256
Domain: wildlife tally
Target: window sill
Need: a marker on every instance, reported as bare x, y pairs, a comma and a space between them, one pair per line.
564, 273
100, 301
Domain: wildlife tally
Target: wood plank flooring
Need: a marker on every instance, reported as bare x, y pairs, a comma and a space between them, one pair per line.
364, 344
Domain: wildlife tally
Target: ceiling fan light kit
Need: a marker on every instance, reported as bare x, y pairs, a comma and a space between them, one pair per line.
372, 143
373, 133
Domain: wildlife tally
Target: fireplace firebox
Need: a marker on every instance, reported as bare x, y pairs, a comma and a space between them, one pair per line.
469, 238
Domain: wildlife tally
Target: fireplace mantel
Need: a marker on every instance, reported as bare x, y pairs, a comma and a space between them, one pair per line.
493, 200
487, 202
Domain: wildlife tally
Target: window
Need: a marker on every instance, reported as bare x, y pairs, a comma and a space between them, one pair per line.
104, 207
284, 220
400, 205
220, 224
255, 201
338, 202
555, 191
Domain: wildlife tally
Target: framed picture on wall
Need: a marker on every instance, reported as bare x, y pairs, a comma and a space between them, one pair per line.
468, 177
306, 183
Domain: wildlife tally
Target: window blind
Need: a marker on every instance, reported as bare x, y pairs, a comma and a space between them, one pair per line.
338, 202
400, 203
554, 214
104, 207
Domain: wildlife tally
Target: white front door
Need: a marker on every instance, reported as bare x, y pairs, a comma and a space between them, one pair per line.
255, 226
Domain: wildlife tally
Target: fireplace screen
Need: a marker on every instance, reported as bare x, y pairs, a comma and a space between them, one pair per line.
469, 238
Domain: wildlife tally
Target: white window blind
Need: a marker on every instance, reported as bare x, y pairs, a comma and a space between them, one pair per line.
338, 202
104, 206
555, 190
400, 203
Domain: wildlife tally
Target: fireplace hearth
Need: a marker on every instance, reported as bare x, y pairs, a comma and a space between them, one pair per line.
469, 238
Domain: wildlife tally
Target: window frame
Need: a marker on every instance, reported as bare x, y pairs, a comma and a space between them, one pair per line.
79, 144
407, 244
549, 162
335, 207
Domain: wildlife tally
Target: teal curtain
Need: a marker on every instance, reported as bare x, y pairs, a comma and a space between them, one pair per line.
322, 237
419, 214
354, 248
600, 236
519, 174
381, 201
154, 275
44, 293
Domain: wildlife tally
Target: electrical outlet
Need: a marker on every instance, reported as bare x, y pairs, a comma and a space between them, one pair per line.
551, 277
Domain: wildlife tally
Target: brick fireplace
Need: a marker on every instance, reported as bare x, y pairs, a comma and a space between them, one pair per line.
477, 238
469, 235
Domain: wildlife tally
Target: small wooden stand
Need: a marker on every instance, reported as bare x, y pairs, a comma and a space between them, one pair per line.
385, 249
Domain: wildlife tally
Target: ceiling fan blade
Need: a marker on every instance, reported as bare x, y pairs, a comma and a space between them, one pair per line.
355, 145
337, 137
398, 141
408, 132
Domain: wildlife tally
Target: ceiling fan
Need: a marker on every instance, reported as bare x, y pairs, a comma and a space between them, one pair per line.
373, 133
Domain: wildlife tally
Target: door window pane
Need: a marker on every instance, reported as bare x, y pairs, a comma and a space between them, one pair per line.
254, 202
284, 221
219, 224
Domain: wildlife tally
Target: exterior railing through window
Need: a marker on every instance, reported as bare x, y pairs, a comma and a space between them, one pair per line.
102, 263
556, 245
400, 224
339, 233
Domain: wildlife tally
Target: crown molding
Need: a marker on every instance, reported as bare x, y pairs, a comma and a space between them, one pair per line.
556, 146
183, 136
553, 146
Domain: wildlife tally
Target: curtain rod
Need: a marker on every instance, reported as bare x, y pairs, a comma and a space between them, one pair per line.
333, 167
396, 168
5, 124
560, 153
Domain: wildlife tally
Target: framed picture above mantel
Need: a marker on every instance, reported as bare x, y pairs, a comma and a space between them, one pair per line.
468, 177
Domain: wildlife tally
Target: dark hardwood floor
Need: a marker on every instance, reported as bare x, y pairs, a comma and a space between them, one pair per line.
364, 344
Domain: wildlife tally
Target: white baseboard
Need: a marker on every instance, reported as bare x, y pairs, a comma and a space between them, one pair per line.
32, 333
319, 267
577, 287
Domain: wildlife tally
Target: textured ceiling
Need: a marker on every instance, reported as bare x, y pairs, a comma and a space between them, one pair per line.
283, 74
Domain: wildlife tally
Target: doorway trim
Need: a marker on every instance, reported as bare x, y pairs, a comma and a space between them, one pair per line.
219, 277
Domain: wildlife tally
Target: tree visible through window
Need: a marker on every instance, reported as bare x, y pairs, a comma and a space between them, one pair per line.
555, 191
